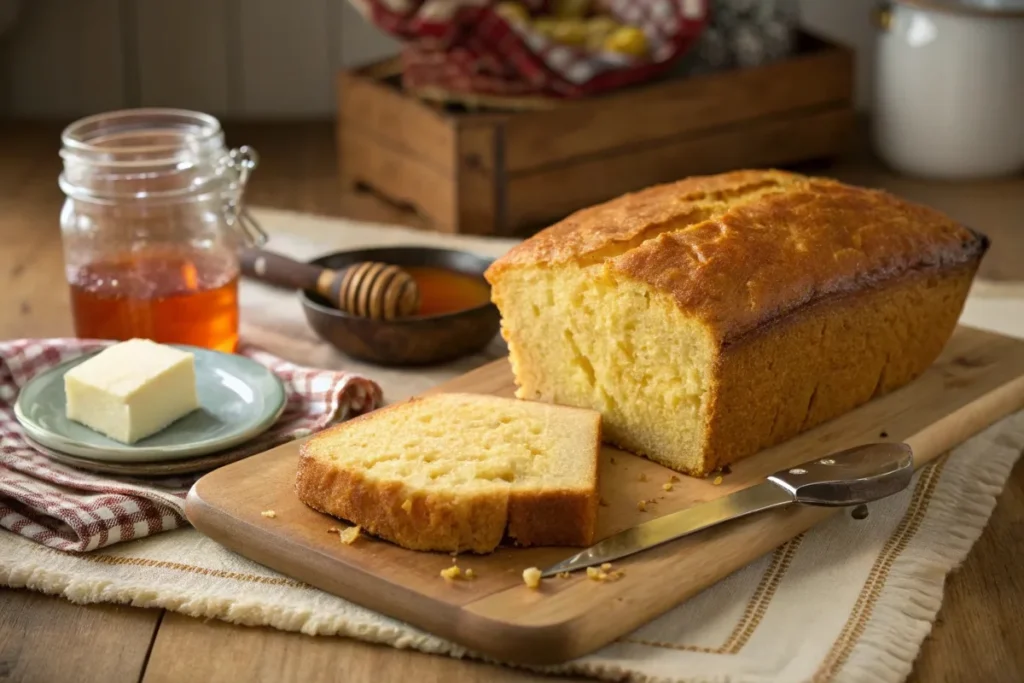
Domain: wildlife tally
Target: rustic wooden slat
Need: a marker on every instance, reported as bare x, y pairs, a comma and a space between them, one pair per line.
184, 54
45, 639
64, 59
389, 118
537, 198
228, 654
678, 107
479, 185
285, 59
399, 177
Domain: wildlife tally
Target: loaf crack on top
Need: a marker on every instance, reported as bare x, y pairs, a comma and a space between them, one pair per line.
718, 315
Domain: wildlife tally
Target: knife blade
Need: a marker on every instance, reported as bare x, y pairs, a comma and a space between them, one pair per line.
852, 477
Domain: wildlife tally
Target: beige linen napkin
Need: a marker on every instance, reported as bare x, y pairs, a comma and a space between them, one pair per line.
850, 600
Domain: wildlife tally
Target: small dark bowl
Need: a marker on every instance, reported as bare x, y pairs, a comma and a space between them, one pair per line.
420, 340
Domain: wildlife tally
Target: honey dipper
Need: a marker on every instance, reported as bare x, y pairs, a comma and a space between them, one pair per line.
367, 289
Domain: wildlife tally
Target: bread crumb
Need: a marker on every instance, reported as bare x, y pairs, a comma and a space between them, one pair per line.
606, 566
595, 574
616, 575
531, 577
643, 477
673, 479
350, 535
333, 530
641, 505
454, 553
269, 514
451, 573
470, 574
717, 480
454, 559
407, 506
602, 502
563, 575
667, 486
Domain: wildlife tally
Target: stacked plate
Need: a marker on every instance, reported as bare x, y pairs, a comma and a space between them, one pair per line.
239, 400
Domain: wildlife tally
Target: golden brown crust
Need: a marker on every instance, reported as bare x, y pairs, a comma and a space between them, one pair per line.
435, 521
828, 359
553, 518
741, 249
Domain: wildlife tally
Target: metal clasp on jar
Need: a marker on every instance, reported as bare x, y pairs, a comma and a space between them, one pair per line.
242, 161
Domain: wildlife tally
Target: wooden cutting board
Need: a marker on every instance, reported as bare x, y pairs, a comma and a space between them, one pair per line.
978, 380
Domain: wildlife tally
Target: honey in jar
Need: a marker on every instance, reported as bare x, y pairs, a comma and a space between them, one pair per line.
151, 227
170, 295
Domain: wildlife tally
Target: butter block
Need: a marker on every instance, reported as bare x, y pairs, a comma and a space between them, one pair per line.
132, 390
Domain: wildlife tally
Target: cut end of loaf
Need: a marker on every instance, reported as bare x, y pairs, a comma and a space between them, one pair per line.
583, 336
459, 472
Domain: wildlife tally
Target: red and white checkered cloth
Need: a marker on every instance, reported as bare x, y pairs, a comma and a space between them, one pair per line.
77, 511
465, 46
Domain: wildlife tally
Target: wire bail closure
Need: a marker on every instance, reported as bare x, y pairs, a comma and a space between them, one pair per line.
242, 161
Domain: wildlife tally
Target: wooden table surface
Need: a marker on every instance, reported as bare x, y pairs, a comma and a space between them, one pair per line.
979, 634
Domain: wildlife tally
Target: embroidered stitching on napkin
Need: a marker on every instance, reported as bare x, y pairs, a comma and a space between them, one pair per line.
77, 511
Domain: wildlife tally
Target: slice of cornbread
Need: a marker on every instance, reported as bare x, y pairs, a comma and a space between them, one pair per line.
710, 318
458, 472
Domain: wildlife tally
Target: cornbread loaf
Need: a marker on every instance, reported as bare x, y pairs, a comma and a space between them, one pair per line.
458, 472
710, 318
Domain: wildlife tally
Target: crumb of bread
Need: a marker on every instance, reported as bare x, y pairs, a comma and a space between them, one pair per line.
454, 559
596, 574
333, 530
407, 506
643, 477
563, 575
350, 535
616, 575
606, 566
531, 577
641, 505
269, 514
673, 479
667, 486
470, 574
454, 553
717, 481
451, 573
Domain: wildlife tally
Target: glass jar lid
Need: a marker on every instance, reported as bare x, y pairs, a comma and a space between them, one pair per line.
156, 156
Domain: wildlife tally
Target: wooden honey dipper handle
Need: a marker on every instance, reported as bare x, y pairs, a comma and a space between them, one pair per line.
368, 289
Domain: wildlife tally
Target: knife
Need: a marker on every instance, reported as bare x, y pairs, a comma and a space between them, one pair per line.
852, 477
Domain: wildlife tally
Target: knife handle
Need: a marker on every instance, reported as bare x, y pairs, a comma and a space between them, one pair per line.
852, 477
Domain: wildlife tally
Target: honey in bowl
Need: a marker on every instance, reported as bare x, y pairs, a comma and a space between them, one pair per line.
171, 295
447, 291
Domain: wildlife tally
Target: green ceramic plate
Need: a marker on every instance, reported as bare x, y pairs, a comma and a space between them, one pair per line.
238, 399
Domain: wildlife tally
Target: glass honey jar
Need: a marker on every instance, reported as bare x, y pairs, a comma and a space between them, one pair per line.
151, 227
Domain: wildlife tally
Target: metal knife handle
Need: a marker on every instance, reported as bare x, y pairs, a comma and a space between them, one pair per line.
851, 477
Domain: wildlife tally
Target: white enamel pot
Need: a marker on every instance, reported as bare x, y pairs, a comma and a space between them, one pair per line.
949, 87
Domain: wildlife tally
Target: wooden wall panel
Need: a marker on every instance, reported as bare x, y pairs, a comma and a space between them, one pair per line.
62, 59
286, 59
184, 50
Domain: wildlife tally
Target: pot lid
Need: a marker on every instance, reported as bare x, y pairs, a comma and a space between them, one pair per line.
994, 8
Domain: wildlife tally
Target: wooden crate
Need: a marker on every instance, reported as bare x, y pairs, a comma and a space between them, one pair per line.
510, 173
